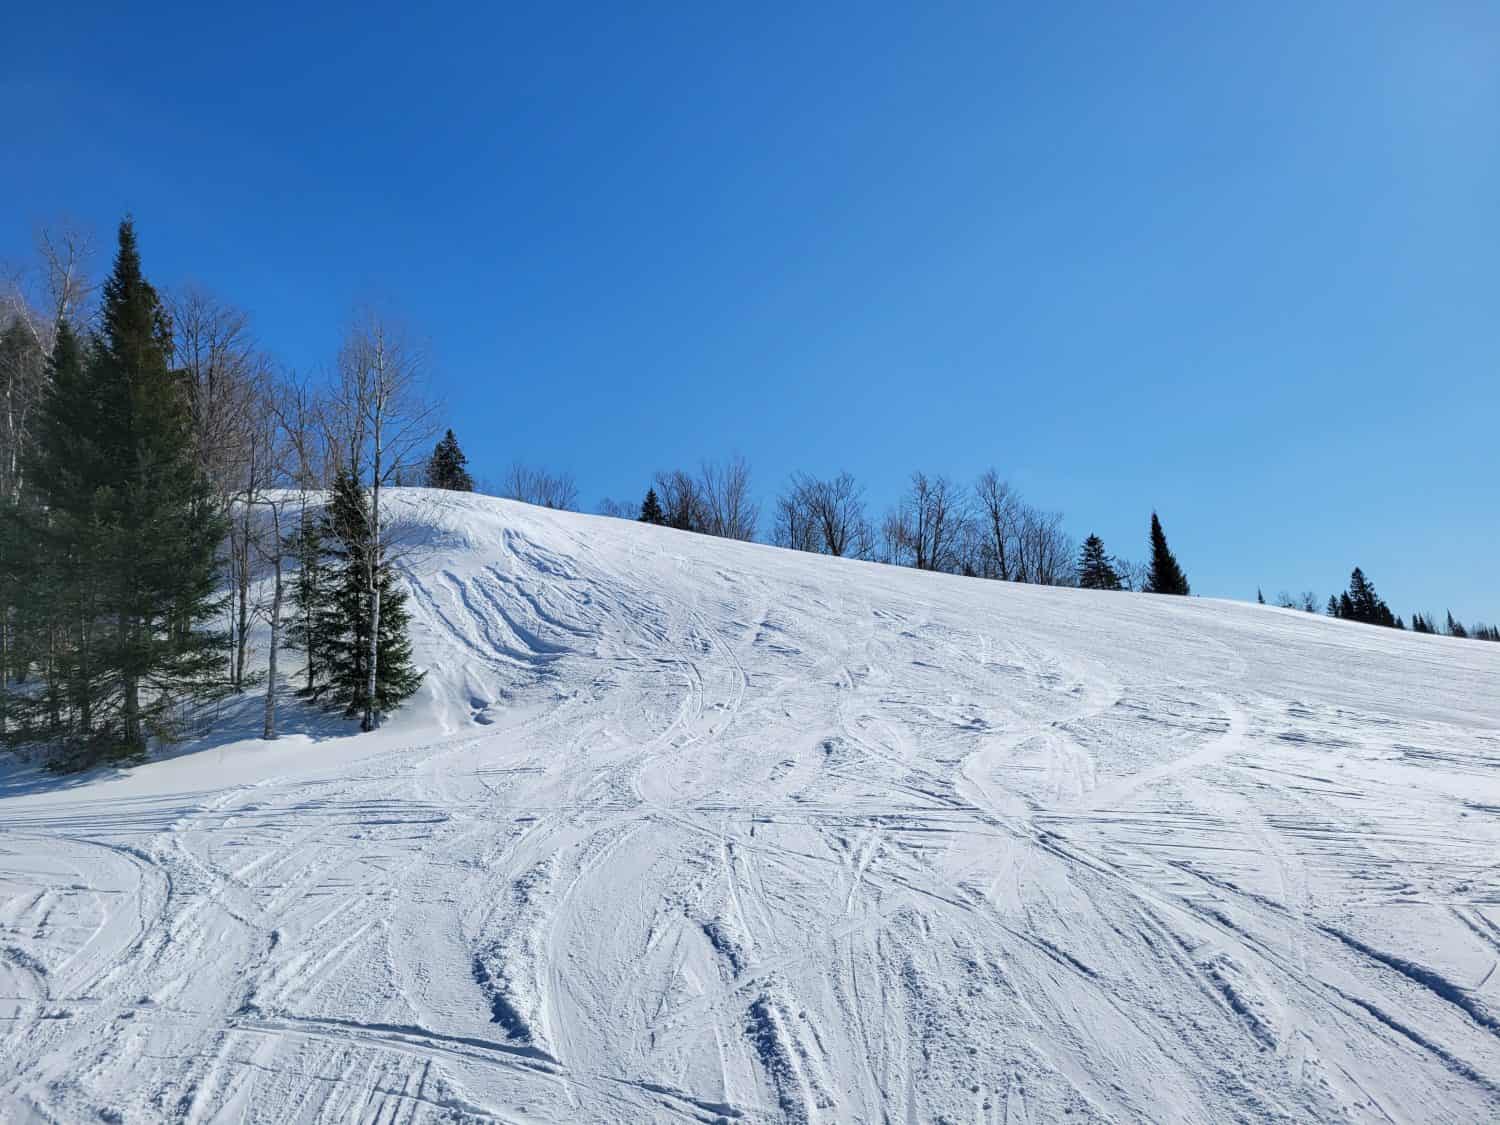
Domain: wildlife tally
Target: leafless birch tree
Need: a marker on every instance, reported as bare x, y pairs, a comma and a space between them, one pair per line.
380, 421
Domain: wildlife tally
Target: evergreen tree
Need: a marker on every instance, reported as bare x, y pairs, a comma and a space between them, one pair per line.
1095, 569
348, 531
1455, 628
314, 627
447, 467
1361, 603
132, 526
1260, 597
651, 509
1333, 606
1166, 576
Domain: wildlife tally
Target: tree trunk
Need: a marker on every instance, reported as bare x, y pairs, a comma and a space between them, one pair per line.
132, 710
372, 570
269, 731
242, 586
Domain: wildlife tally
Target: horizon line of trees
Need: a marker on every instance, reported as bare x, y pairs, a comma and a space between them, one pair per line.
1359, 602
985, 530
165, 491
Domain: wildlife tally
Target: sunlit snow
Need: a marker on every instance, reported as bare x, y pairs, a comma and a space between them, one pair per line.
681, 829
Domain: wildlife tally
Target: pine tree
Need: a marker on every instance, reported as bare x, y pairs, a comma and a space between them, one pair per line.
133, 527
1166, 576
348, 530
1361, 603
314, 627
1455, 628
446, 468
651, 509
1260, 597
1333, 606
1095, 569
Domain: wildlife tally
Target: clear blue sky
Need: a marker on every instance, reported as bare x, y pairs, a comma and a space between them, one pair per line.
1237, 262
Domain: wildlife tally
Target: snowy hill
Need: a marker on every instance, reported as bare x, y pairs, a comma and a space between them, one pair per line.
686, 830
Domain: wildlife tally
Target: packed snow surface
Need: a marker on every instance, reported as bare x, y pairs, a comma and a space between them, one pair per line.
688, 830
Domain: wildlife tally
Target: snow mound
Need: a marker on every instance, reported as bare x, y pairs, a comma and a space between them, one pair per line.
680, 829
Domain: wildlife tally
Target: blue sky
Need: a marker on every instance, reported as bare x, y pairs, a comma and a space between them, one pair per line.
1237, 263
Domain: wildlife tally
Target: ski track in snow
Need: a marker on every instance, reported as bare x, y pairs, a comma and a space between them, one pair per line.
691, 831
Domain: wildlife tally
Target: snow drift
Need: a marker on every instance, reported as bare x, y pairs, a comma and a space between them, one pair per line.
681, 829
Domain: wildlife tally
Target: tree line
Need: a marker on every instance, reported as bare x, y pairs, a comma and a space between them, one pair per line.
983, 530
165, 492
1359, 602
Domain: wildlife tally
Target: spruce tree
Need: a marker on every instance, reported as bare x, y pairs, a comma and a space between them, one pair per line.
314, 627
447, 467
651, 509
1166, 576
1095, 569
348, 529
1361, 603
132, 520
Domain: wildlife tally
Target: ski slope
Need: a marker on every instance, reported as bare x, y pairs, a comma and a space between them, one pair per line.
685, 830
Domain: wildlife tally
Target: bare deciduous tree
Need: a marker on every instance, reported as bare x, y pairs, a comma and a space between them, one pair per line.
540, 487
1016, 542
682, 502
229, 389
619, 509
792, 523
927, 527
827, 516
1046, 553
294, 438
213, 347
724, 489
66, 250
1133, 573
999, 520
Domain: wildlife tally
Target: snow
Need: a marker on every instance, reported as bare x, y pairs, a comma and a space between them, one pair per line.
681, 829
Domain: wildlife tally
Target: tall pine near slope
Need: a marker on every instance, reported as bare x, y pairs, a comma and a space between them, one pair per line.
447, 467
1361, 603
651, 509
133, 523
1095, 569
1166, 576
350, 546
